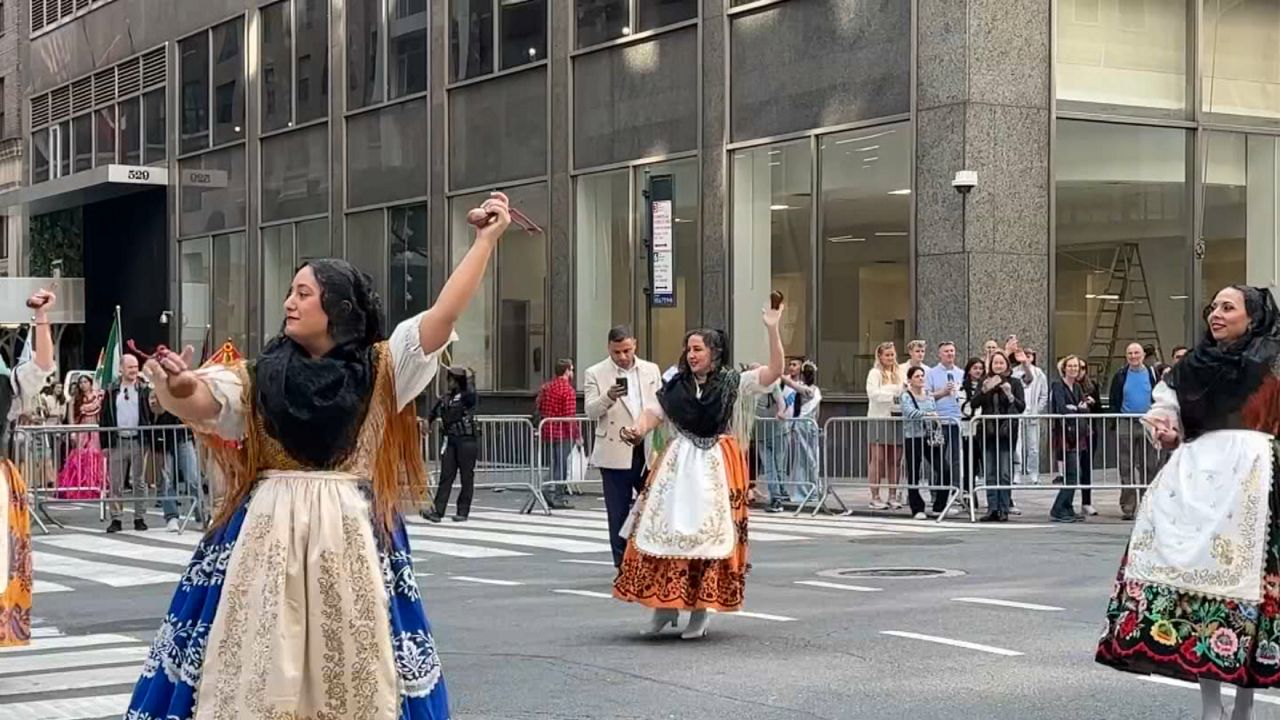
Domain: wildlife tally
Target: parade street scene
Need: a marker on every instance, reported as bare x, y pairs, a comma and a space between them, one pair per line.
640, 360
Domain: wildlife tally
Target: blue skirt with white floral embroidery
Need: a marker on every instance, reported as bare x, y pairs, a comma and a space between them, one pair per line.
171, 673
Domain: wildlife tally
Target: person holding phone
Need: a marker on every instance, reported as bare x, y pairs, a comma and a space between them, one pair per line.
943, 382
616, 391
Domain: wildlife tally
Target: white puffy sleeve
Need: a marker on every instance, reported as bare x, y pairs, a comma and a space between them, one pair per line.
228, 385
1164, 405
27, 380
414, 367
749, 384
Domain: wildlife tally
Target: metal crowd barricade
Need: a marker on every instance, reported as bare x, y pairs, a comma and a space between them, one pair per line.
787, 453
1081, 453
507, 457
565, 445
890, 455
124, 471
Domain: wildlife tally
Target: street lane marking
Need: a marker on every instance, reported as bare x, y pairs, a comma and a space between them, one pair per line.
1007, 603
838, 586
589, 562
1227, 690
27, 683
110, 548
106, 574
535, 529
953, 643
764, 534
62, 642
460, 550
484, 581
756, 615
547, 543
69, 660
44, 586
69, 709
190, 538
585, 593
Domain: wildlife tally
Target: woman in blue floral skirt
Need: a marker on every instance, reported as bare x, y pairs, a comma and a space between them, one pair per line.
1197, 597
302, 602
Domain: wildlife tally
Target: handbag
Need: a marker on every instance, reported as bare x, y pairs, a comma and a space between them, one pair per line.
933, 436
577, 469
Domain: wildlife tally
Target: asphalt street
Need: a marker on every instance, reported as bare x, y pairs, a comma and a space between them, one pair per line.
526, 629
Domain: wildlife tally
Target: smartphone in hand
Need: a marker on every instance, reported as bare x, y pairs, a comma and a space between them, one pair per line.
620, 383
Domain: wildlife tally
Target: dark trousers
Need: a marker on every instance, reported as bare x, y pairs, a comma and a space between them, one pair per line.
620, 490
916, 449
948, 471
1079, 471
459, 454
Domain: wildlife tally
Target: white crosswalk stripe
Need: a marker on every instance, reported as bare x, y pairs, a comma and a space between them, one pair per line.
33, 678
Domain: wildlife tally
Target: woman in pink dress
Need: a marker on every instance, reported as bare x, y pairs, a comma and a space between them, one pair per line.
84, 474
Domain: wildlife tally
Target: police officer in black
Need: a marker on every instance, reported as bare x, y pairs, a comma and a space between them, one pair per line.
456, 412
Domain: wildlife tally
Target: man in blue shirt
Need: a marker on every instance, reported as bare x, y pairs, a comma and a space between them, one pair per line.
943, 382
1131, 395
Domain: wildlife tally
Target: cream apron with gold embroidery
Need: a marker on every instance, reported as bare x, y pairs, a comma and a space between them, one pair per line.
301, 630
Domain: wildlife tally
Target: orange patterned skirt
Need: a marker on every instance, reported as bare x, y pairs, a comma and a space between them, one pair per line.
15, 600
682, 584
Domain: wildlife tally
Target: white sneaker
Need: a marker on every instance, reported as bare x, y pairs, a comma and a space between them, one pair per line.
919, 516
172, 525
1088, 510
877, 505
1014, 510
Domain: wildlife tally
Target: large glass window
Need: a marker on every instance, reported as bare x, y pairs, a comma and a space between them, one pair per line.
131, 131
1122, 258
367, 244
40, 155
1241, 225
228, 81
82, 132
524, 32
503, 331
407, 47
193, 69
1123, 55
156, 147
312, 84
601, 20
1241, 58
387, 154
365, 64
864, 250
211, 192
603, 259
277, 66
196, 277
64, 148
470, 38
277, 273
104, 128
295, 174
408, 286
522, 36
231, 289
772, 244
659, 13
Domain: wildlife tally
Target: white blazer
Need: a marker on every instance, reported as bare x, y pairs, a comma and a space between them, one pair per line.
611, 416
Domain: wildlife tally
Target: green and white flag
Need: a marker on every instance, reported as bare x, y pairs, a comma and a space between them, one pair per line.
109, 359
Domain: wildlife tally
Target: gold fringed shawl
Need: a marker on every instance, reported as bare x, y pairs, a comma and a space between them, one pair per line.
388, 449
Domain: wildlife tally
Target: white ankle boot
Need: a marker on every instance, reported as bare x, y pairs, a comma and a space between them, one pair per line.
697, 628
661, 619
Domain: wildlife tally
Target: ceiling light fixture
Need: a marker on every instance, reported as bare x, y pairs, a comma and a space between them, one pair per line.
776, 208
904, 191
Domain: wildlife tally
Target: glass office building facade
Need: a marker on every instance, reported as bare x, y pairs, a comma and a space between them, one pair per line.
1126, 152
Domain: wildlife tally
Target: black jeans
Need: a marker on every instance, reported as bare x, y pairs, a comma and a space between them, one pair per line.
620, 490
1079, 471
460, 453
917, 454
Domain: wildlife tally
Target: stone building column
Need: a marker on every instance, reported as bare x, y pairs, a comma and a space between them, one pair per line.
982, 104
712, 160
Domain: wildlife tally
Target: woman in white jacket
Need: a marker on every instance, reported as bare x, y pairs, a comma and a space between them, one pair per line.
884, 385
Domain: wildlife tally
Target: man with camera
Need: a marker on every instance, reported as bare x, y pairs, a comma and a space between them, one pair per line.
617, 389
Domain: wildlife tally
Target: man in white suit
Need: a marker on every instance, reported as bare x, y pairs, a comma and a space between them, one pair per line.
616, 390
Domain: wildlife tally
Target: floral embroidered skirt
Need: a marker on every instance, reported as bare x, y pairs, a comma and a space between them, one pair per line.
295, 608
1154, 629
15, 594
684, 584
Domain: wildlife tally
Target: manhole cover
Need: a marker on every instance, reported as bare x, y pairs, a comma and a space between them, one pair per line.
891, 572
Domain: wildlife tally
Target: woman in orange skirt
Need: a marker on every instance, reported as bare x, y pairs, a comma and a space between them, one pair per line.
687, 534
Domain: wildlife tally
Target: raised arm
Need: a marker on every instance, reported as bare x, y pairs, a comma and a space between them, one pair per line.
770, 373
43, 301
594, 402
436, 326
178, 388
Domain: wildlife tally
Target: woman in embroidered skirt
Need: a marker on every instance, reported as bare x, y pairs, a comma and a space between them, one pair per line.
1197, 597
301, 602
15, 521
688, 529
84, 473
